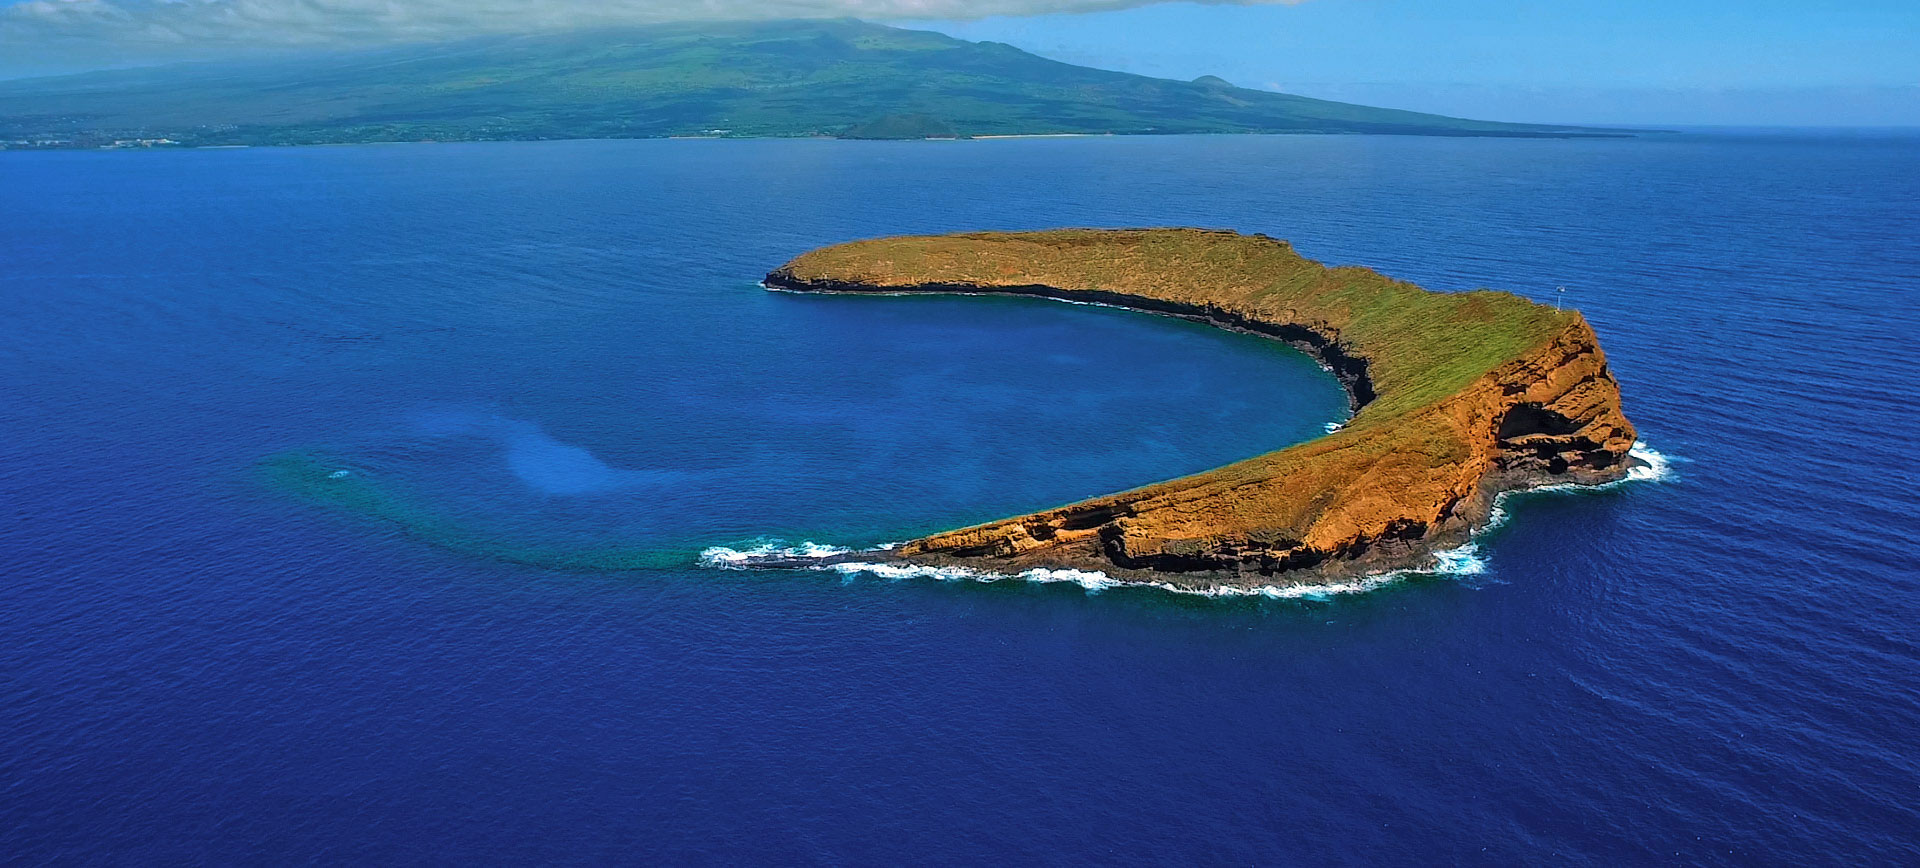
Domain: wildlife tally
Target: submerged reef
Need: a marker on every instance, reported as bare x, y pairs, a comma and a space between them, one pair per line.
334, 480
1457, 398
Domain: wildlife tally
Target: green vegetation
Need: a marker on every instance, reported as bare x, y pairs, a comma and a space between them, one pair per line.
1464, 394
794, 78
902, 127
1422, 346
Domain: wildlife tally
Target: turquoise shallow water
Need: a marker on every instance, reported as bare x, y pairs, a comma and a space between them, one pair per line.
776, 417
550, 380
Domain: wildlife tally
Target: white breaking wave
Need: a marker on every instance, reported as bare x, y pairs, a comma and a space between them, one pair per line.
1658, 467
1460, 562
1092, 580
1654, 467
724, 558
1463, 561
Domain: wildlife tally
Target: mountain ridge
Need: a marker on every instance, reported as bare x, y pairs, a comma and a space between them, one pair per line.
761, 79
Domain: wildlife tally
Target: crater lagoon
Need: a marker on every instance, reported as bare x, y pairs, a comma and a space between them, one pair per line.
354, 498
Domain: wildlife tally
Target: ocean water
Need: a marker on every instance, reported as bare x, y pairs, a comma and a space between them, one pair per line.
354, 497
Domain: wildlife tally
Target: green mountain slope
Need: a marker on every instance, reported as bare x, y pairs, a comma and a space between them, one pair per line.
791, 78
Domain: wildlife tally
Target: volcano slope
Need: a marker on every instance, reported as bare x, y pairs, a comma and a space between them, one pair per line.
1457, 397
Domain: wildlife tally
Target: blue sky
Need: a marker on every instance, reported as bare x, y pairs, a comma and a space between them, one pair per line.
1743, 62
1622, 61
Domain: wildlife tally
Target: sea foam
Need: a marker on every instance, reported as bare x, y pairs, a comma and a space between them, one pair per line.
1655, 466
1461, 562
725, 558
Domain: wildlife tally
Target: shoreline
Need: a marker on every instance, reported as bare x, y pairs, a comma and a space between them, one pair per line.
1040, 136
1353, 380
93, 145
1463, 560
1412, 475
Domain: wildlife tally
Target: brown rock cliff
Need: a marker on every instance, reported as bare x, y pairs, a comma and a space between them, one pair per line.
1458, 397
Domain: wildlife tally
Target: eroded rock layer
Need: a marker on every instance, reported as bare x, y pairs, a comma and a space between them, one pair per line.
1457, 397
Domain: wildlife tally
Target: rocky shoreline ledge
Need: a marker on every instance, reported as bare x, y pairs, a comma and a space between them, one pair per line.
1457, 398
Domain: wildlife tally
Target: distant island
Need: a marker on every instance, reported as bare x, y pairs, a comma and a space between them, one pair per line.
840, 78
1457, 397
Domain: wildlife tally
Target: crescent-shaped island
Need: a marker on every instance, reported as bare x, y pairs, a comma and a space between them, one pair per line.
1457, 397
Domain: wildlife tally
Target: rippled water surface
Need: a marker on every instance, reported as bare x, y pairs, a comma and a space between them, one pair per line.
353, 496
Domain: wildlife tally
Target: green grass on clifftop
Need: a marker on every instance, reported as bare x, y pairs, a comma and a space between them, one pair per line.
1422, 346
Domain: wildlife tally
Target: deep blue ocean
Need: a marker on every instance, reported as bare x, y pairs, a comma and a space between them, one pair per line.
351, 498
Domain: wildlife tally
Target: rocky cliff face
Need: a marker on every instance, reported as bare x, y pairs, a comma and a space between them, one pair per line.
1464, 397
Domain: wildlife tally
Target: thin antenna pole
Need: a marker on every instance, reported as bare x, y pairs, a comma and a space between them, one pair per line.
1559, 292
